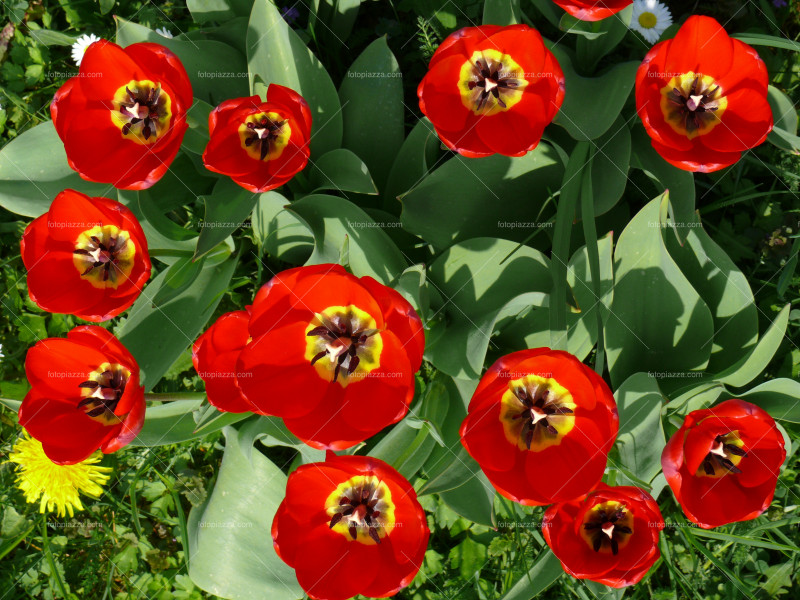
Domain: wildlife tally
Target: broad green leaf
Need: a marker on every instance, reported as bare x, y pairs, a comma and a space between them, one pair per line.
52, 38
549, 10
473, 500
341, 170
271, 431
279, 232
479, 289
417, 155
700, 395
608, 93
275, 54
333, 20
234, 523
740, 539
168, 423
495, 196
227, 209
665, 177
34, 170
501, 12
598, 591
215, 69
570, 24
610, 164
180, 276
372, 109
412, 286
751, 366
545, 571
334, 220
784, 115
724, 288
613, 28
657, 321
156, 336
641, 437
779, 397
196, 137
204, 11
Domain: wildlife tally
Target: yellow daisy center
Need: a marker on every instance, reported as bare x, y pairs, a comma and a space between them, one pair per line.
648, 20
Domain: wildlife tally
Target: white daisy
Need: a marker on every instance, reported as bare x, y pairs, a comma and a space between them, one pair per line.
1, 351
163, 31
650, 18
80, 46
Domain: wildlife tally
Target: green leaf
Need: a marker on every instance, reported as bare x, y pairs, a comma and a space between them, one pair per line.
479, 289
204, 11
279, 232
760, 39
164, 236
168, 423
52, 38
418, 153
570, 24
227, 209
784, 115
276, 54
332, 220
648, 283
216, 70
608, 93
495, 196
610, 165
343, 171
473, 500
724, 288
545, 571
746, 541
641, 437
613, 30
698, 396
469, 557
599, 591
196, 137
34, 170
779, 397
501, 12
337, 18
751, 366
372, 109
234, 523
156, 336
106, 6
180, 276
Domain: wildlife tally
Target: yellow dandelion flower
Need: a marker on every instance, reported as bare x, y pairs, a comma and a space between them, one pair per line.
52, 485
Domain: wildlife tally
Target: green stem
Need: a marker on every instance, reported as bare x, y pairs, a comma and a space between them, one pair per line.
53, 570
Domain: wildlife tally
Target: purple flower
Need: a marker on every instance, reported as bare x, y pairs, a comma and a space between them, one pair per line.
779, 3
290, 14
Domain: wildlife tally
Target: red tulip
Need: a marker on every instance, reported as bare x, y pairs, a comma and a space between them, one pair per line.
122, 118
331, 354
702, 97
85, 395
723, 463
610, 537
492, 89
214, 356
540, 425
351, 525
86, 257
590, 10
260, 145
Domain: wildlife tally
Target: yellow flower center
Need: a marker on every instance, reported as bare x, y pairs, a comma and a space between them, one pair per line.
647, 20
344, 344
142, 111
607, 527
104, 255
265, 135
491, 82
692, 104
361, 509
723, 456
102, 391
536, 412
